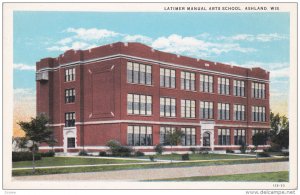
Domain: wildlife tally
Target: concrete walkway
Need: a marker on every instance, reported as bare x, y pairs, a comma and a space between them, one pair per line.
162, 173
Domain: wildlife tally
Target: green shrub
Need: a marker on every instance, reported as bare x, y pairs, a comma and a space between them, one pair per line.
285, 153
117, 149
243, 148
48, 154
274, 148
263, 154
112, 144
159, 148
204, 150
253, 149
102, 153
25, 156
124, 151
229, 151
83, 153
151, 157
185, 157
193, 150
139, 153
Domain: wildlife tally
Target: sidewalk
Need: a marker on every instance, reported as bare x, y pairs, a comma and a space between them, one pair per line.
162, 173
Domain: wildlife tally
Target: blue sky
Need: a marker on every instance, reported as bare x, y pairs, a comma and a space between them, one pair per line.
245, 39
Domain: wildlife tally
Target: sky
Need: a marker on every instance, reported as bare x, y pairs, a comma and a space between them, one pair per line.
244, 39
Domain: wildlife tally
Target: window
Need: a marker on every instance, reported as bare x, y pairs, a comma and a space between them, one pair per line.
69, 95
139, 135
163, 134
254, 131
188, 81
70, 119
223, 136
167, 78
188, 108
139, 104
71, 142
167, 107
258, 113
223, 86
223, 111
139, 73
70, 74
239, 112
239, 137
258, 90
189, 137
206, 110
206, 83
239, 88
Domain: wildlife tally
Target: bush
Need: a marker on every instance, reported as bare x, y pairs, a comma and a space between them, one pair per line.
185, 157
274, 148
124, 151
48, 154
139, 153
83, 153
263, 154
204, 150
193, 150
112, 144
151, 158
159, 148
253, 149
229, 151
285, 153
117, 149
243, 148
102, 153
25, 156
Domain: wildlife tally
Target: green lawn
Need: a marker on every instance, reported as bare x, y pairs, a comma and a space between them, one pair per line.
282, 176
140, 166
60, 161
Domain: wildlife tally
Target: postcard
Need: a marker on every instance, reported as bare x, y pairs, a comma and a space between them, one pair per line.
150, 96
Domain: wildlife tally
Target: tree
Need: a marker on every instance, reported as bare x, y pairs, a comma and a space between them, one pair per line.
36, 132
259, 139
174, 137
20, 143
279, 130
282, 139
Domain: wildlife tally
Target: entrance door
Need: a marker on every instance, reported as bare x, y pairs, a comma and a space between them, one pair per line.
206, 139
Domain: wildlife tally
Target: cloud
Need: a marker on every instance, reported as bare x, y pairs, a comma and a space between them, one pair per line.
75, 45
258, 37
201, 45
280, 73
135, 38
58, 48
270, 66
92, 33
191, 45
82, 38
24, 92
65, 41
21, 66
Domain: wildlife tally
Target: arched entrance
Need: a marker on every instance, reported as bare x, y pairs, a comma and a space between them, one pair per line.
207, 134
69, 138
206, 139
